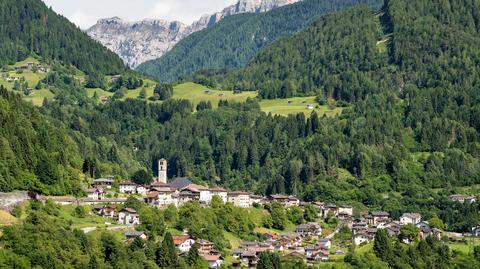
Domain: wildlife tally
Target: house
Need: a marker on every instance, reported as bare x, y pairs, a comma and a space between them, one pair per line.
324, 243
330, 208
95, 193
183, 242
128, 216
205, 247
142, 190
270, 236
108, 211
393, 227
104, 183
284, 200
214, 261
377, 217
360, 238
462, 198
290, 241
205, 196
346, 210
161, 197
310, 229
319, 256
220, 192
239, 199
476, 231
410, 218
422, 224
359, 226
133, 235
127, 187
186, 195
257, 199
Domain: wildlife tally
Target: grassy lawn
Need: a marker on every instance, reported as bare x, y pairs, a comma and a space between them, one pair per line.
90, 220
364, 249
100, 93
464, 248
7, 219
234, 241
284, 107
196, 93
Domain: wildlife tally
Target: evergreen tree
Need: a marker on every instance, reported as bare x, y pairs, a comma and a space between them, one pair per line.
166, 256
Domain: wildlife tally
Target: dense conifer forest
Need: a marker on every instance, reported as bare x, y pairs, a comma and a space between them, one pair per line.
236, 39
28, 27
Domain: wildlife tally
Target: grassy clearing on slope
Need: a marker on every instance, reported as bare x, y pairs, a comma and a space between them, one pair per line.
90, 220
196, 93
284, 107
37, 97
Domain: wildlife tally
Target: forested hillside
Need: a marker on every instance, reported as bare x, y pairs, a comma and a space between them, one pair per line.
35, 154
403, 134
236, 39
340, 55
28, 26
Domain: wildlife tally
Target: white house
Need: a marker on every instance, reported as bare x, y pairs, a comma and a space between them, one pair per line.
324, 243
410, 218
161, 197
128, 187
103, 183
239, 199
95, 193
476, 231
142, 190
214, 261
222, 193
309, 229
345, 210
183, 242
360, 238
128, 216
462, 198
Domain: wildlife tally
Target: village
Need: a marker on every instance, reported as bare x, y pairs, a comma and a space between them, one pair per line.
307, 241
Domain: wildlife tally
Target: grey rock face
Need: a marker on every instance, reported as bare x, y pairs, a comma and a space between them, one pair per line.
138, 42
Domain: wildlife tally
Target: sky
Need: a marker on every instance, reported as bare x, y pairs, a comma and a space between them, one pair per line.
85, 13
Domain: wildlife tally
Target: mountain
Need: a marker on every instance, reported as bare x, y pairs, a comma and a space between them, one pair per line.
138, 42
422, 46
30, 27
236, 39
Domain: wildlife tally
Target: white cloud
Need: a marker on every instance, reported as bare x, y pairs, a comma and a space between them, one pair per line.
86, 12
82, 20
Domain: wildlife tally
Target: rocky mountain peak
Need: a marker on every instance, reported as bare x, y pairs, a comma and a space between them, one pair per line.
138, 42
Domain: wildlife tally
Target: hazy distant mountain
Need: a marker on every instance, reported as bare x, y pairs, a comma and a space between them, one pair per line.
138, 42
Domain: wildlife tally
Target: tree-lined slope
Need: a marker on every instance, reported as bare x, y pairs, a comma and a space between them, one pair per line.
236, 39
430, 44
28, 26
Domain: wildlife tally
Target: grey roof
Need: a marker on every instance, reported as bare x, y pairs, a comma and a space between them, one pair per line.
180, 183
134, 233
411, 215
379, 214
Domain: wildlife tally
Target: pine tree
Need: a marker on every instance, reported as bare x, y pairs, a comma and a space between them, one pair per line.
166, 256
193, 256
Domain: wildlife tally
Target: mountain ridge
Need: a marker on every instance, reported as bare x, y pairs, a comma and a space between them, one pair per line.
148, 39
